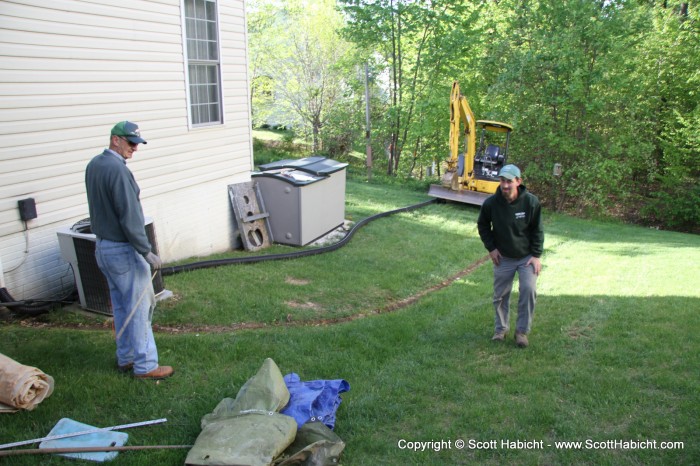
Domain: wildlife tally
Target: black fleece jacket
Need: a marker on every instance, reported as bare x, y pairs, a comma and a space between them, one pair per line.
515, 229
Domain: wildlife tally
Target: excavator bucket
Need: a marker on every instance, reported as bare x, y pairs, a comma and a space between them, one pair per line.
463, 195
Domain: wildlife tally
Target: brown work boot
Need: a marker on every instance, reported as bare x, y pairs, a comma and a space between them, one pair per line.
160, 372
521, 340
498, 336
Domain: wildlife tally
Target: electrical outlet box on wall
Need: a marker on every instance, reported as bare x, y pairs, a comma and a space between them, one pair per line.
27, 209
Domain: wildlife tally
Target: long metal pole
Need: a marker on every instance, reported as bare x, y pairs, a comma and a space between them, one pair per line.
84, 432
44, 451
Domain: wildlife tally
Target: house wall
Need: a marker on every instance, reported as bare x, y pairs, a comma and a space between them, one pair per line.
69, 71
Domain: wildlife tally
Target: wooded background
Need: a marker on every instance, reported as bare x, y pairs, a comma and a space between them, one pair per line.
608, 89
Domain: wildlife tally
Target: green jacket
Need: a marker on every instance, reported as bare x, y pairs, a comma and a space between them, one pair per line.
514, 229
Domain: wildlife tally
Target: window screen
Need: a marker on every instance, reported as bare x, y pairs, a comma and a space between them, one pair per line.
203, 65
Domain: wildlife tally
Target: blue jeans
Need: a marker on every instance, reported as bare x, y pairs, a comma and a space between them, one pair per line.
503, 276
129, 278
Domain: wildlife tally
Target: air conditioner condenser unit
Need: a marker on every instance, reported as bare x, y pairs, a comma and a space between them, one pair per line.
77, 245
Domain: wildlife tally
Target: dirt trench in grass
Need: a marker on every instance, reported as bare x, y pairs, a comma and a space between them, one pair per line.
194, 328
187, 328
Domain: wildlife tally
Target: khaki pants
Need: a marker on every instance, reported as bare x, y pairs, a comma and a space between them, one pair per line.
503, 276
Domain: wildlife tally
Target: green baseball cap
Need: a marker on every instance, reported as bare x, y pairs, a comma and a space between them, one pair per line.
128, 130
509, 172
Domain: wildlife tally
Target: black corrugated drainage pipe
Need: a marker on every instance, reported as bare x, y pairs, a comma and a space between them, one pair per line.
28, 307
291, 255
33, 307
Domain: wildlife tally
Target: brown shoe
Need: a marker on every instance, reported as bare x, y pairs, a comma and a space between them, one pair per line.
521, 340
498, 336
160, 372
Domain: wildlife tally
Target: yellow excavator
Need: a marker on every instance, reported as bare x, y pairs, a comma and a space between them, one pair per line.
472, 176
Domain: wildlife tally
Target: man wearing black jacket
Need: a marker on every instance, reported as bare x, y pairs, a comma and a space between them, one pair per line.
510, 226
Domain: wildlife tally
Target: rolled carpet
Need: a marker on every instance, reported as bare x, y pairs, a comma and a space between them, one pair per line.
22, 387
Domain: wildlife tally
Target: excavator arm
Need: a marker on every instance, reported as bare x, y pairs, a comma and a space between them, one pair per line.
462, 123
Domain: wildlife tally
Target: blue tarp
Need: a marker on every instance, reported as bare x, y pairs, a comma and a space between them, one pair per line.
313, 401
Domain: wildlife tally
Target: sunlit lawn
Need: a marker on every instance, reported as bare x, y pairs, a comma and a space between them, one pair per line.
612, 356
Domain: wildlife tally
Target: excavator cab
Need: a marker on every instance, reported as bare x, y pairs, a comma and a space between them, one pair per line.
492, 151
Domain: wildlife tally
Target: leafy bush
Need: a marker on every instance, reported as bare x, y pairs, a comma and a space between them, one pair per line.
288, 136
676, 204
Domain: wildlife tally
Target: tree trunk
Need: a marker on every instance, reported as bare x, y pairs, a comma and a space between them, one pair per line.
316, 130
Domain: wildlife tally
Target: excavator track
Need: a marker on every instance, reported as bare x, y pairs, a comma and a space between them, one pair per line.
464, 196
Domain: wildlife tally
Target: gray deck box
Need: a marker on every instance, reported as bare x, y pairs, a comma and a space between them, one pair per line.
304, 197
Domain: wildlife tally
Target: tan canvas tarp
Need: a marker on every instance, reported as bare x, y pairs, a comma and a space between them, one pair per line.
250, 431
22, 387
314, 445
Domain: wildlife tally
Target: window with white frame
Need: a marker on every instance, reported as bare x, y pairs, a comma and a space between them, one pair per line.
203, 66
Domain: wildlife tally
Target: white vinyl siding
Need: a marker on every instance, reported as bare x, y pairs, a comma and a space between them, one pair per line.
70, 70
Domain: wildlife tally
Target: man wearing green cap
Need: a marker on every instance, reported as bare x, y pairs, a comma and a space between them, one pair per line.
123, 251
510, 226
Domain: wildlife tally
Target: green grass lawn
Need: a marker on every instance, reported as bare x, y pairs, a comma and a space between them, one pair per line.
612, 356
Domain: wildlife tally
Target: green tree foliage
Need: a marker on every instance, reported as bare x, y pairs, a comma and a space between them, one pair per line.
608, 89
410, 45
555, 81
298, 76
671, 69
262, 19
